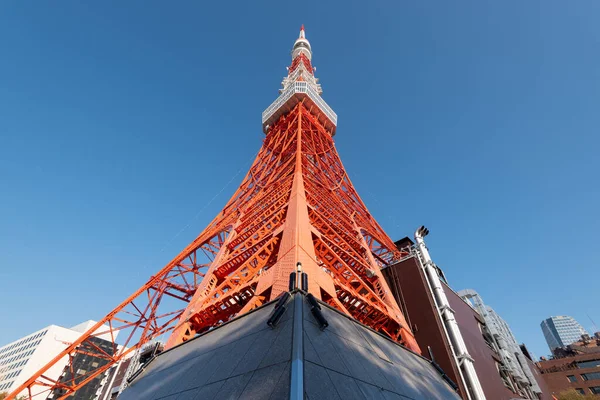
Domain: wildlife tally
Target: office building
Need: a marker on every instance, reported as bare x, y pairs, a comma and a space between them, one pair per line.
561, 331
515, 371
575, 366
20, 359
115, 379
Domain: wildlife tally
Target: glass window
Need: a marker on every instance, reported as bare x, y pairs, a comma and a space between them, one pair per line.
595, 389
588, 364
591, 376
572, 378
580, 390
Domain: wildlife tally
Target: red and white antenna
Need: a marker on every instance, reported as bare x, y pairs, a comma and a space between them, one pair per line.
300, 80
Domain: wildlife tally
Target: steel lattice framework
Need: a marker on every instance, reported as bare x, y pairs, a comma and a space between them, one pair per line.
296, 204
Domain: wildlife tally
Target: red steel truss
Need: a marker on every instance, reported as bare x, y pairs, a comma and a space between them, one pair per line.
304, 60
296, 204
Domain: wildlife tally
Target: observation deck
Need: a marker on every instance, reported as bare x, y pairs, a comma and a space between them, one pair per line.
294, 94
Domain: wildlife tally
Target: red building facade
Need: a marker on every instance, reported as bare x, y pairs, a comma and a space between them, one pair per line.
575, 367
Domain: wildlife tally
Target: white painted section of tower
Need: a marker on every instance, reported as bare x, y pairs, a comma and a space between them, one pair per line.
302, 45
458, 346
293, 94
298, 85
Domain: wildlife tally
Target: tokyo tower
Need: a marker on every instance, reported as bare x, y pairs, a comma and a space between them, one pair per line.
296, 210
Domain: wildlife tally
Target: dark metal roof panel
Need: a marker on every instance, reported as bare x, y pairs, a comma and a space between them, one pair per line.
245, 359
380, 368
242, 359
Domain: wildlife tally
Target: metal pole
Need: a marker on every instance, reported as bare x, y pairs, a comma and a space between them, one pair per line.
455, 336
112, 380
297, 373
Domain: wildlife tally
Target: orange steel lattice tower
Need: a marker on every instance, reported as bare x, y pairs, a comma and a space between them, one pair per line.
295, 205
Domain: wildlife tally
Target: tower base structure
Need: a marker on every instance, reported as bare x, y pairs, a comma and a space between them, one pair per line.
292, 348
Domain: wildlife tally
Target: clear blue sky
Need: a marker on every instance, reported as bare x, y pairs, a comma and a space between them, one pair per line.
120, 122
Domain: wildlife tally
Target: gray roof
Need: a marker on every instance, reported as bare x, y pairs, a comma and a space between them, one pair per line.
246, 359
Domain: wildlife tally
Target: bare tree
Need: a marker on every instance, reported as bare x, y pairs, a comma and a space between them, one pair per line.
572, 394
4, 395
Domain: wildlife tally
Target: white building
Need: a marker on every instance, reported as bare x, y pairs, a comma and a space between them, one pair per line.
521, 377
20, 359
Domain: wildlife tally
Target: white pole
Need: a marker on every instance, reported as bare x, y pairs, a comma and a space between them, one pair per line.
112, 380
455, 336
